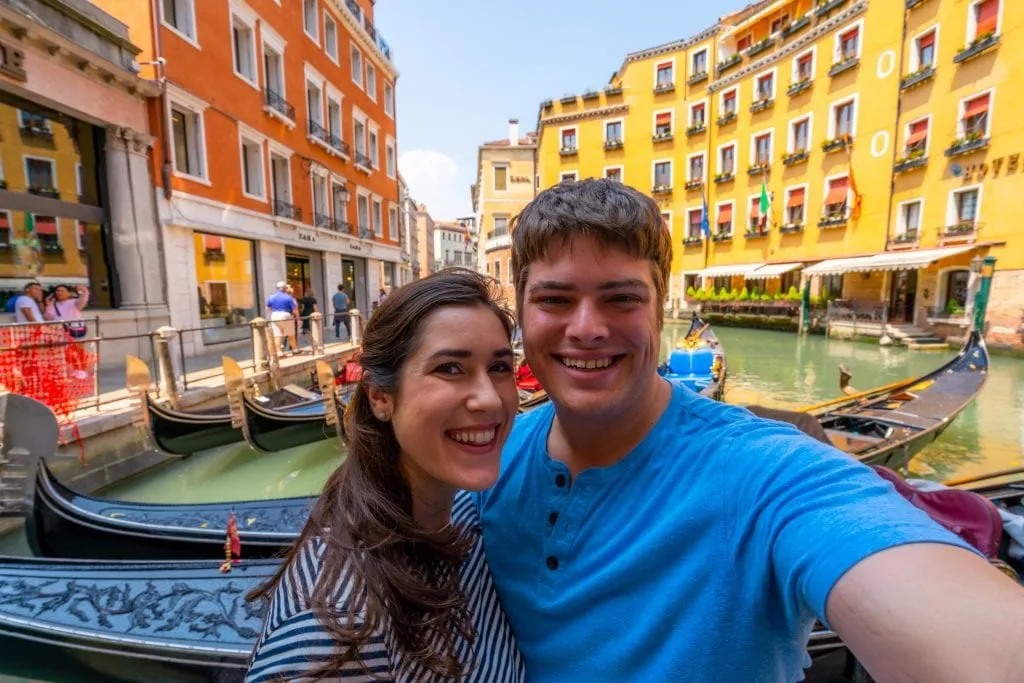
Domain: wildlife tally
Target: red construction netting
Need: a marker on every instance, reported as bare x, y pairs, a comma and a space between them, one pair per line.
46, 363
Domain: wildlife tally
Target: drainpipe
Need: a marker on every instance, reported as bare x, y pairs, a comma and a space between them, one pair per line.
165, 137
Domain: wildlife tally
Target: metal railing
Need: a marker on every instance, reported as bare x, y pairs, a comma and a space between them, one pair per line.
279, 104
317, 131
321, 220
286, 210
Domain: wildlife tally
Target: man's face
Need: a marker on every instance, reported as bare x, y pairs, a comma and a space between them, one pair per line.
590, 327
35, 292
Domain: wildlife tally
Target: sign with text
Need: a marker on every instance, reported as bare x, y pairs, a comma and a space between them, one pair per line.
12, 62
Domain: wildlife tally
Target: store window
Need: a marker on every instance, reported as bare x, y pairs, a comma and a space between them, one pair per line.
226, 279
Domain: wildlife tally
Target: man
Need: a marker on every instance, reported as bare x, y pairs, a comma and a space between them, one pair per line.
284, 312
341, 305
26, 308
641, 532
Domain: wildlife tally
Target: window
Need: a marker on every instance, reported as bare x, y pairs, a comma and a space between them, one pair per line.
374, 144
843, 119
663, 124
837, 196
613, 132
696, 168
243, 44
694, 223
35, 124
40, 175
497, 271
724, 220
800, 135
727, 160
359, 130
955, 284
666, 216
910, 218
568, 139
917, 138
663, 77
363, 214
764, 87
393, 223
281, 183
273, 75
763, 149
700, 63
778, 23
225, 270
568, 176
47, 230
187, 130
986, 18
926, 50
389, 99
729, 102
663, 174
371, 81
252, 167
5, 229
613, 173
314, 105
803, 67
180, 15
500, 226
389, 152
357, 66
698, 114
744, 42
975, 120
339, 202
334, 121
795, 206
378, 218
848, 45
754, 222
966, 206
321, 219
500, 177
331, 37
309, 20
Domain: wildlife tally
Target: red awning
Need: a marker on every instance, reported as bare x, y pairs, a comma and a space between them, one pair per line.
837, 191
927, 41
725, 213
46, 226
663, 118
806, 59
988, 17
755, 207
918, 132
698, 108
796, 198
977, 107
213, 243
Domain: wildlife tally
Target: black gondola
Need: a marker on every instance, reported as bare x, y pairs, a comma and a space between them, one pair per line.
698, 361
889, 425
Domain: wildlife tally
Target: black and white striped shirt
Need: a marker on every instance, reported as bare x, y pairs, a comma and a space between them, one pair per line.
294, 642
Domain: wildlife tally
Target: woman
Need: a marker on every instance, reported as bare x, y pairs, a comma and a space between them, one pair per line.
308, 308
61, 306
388, 580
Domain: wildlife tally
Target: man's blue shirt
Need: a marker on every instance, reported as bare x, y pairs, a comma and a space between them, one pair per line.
340, 301
703, 555
281, 302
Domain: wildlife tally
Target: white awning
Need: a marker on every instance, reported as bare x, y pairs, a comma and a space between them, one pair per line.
729, 271
894, 260
773, 270
44, 280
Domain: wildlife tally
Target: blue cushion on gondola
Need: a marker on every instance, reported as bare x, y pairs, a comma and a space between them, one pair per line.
696, 362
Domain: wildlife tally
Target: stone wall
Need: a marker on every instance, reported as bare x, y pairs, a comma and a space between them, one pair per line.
1004, 327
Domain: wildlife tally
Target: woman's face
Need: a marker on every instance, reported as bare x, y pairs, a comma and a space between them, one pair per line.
456, 402
61, 293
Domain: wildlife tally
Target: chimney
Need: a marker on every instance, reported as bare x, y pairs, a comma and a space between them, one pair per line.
513, 132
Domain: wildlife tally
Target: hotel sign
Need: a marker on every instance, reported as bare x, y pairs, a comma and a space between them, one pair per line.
519, 179
1008, 165
12, 62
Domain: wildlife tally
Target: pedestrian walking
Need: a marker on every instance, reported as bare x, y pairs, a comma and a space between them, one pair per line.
341, 304
308, 305
283, 313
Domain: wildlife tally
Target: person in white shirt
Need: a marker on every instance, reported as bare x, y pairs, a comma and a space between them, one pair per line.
26, 308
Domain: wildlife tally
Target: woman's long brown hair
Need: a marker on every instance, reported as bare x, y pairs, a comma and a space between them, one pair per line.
364, 514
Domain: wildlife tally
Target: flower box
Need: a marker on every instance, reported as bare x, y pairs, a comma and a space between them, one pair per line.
797, 26
754, 233
977, 47
908, 237
690, 241
694, 184
725, 119
697, 78
727, 64
661, 189
824, 8
799, 87
613, 144
910, 163
966, 145
759, 169
917, 78
721, 237
959, 229
611, 91
724, 178
833, 221
843, 66
762, 105
761, 46
835, 144
664, 88
696, 130
591, 95
661, 137
547, 104
791, 228
51, 192
795, 157
568, 151
568, 99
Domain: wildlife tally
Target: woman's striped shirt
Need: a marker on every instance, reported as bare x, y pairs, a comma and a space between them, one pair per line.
294, 642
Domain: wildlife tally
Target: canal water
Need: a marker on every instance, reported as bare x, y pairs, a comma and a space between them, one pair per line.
774, 369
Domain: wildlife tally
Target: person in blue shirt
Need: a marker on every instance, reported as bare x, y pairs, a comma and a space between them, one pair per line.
641, 532
341, 304
284, 313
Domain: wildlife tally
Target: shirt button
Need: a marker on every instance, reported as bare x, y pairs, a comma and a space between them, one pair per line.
552, 563
560, 481
552, 518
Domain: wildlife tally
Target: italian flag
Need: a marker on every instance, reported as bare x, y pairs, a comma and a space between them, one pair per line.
765, 205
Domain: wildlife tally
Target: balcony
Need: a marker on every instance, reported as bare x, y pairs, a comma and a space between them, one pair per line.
375, 37
365, 233
568, 99
53, 248
836, 144
36, 130
498, 239
791, 228
338, 144
277, 106
317, 132
363, 163
547, 104
799, 87
762, 168
964, 230
662, 137
843, 66
591, 95
834, 220
754, 232
697, 78
978, 47
695, 130
905, 239
762, 105
727, 118
664, 88
613, 90
321, 220
824, 8
722, 236
761, 46
283, 209
568, 151
338, 225
724, 178
694, 184
692, 241
728, 63
797, 157
914, 160
972, 143
661, 189
613, 144
51, 192
919, 77
797, 26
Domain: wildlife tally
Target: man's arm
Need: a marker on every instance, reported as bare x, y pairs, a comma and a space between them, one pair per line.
931, 612
29, 314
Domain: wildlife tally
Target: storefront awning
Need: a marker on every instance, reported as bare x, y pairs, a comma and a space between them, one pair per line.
729, 271
44, 280
897, 260
773, 270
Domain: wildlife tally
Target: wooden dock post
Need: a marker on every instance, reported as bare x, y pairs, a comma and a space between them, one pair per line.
357, 326
316, 332
258, 329
168, 379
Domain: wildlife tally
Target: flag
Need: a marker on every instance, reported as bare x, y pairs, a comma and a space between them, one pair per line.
705, 222
855, 209
764, 206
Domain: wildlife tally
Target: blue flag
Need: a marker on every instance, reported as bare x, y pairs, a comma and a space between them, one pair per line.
705, 223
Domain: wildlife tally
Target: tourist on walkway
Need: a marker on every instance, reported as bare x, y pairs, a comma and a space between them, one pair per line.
341, 304
388, 576
283, 313
26, 308
641, 532
60, 305
309, 307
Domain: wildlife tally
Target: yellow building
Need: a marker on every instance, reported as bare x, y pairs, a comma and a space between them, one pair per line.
506, 181
873, 128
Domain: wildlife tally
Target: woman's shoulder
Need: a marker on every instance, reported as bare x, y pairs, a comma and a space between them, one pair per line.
464, 511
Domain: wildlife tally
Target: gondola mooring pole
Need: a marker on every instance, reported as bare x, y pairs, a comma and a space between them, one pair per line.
988, 267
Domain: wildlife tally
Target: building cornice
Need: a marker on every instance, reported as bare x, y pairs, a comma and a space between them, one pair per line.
589, 114
805, 40
674, 46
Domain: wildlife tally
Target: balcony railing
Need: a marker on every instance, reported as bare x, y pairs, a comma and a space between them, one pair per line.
591, 95
692, 240
759, 168
966, 145
286, 210
363, 161
762, 105
728, 63
36, 131
915, 79
799, 87
914, 161
365, 232
961, 230
317, 131
611, 91
662, 137
797, 26
568, 99
759, 47
824, 8
724, 178
613, 144
339, 144
791, 228
835, 144
906, 237
726, 118
339, 225
836, 220
279, 104
568, 151
321, 220
696, 129
662, 188
843, 66
796, 157
755, 231
663, 88
722, 236
697, 78
694, 184
978, 46
51, 192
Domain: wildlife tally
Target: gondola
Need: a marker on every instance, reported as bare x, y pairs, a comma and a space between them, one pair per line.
889, 425
698, 361
183, 432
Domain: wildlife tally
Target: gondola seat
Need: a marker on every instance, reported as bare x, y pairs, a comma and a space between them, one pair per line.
692, 367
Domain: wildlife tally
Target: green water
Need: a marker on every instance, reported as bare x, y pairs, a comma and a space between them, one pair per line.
770, 368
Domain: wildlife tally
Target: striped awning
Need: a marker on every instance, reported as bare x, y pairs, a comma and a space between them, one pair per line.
896, 260
729, 271
772, 270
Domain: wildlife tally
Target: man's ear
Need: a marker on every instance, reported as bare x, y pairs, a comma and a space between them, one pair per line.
381, 403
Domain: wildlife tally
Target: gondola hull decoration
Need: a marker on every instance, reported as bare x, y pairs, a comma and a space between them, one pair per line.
698, 361
890, 425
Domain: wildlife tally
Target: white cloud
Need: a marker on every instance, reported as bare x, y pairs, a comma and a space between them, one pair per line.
433, 179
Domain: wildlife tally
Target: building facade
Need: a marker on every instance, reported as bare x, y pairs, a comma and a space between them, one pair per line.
423, 260
76, 206
409, 268
276, 156
506, 181
453, 246
855, 143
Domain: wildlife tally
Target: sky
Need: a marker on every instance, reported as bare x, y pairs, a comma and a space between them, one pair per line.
467, 66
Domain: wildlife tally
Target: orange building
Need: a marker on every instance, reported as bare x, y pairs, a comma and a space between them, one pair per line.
275, 146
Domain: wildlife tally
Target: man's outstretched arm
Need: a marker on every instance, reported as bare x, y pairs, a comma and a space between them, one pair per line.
931, 612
